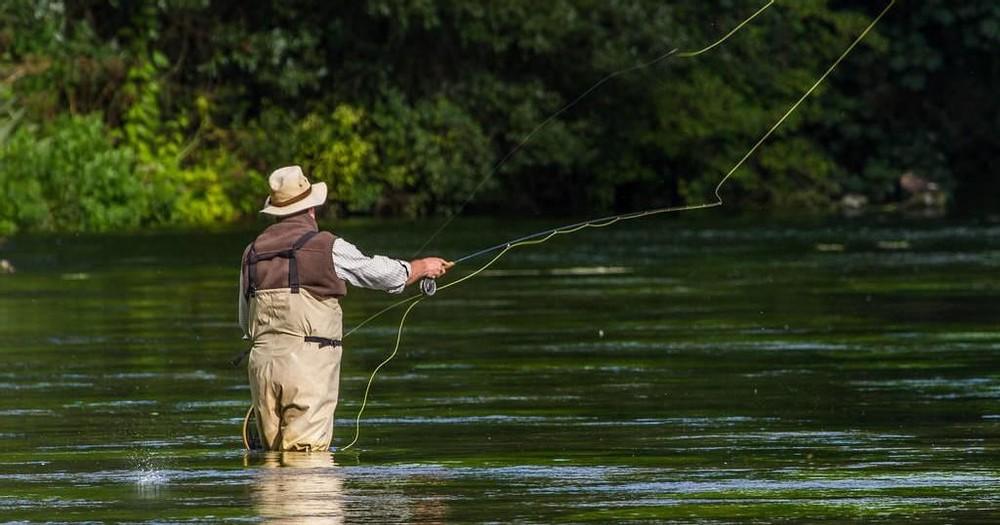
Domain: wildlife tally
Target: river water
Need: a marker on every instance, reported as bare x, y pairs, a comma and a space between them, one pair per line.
658, 369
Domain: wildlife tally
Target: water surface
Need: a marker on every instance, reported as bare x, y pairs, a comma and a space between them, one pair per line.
659, 369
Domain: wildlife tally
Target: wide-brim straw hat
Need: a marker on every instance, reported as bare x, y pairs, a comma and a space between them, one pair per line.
292, 193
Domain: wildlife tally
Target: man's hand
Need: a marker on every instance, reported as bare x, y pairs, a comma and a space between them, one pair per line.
432, 267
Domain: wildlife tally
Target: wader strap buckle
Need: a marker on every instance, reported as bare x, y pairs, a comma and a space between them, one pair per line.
323, 341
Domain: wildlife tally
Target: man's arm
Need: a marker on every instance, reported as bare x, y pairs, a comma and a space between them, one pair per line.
379, 272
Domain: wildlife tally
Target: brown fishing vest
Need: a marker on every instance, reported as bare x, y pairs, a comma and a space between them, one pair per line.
292, 253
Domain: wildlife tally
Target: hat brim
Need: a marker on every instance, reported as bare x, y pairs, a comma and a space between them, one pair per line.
317, 197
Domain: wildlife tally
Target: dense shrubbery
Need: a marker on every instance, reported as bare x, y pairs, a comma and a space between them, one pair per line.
69, 176
127, 114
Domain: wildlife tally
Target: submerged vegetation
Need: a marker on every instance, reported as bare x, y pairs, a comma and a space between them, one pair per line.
117, 115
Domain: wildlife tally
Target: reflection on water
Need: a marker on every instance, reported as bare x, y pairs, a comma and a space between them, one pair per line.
300, 487
660, 371
304, 487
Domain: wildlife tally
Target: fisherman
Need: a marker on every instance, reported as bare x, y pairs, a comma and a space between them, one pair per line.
291, 282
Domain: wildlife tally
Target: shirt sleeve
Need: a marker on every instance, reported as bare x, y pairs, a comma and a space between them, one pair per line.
376, 272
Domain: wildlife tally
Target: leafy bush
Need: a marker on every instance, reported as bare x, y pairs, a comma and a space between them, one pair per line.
430, 156
69, 176
399, 159
189, 196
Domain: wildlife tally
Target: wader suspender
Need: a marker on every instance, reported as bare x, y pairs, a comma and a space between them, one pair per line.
293, 268
293, 283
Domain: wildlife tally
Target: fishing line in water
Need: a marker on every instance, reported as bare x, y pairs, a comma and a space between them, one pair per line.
602, 222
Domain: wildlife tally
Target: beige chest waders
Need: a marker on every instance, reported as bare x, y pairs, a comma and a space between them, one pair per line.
294, 364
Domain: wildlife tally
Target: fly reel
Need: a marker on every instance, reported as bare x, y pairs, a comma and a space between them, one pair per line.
428, 286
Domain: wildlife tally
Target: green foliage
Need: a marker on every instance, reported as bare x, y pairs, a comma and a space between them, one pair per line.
404, 108
190, 196
333, 150
929, 104
429, 155
331, 147
200, 197
69, 177
398, 159
723, 103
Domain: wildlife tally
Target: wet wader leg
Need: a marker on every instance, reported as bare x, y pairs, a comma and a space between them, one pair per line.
308, 402
265, 396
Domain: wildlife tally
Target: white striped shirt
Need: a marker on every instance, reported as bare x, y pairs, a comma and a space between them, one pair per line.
377, 272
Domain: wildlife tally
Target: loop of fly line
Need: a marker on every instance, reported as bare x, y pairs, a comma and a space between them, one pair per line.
602, 222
